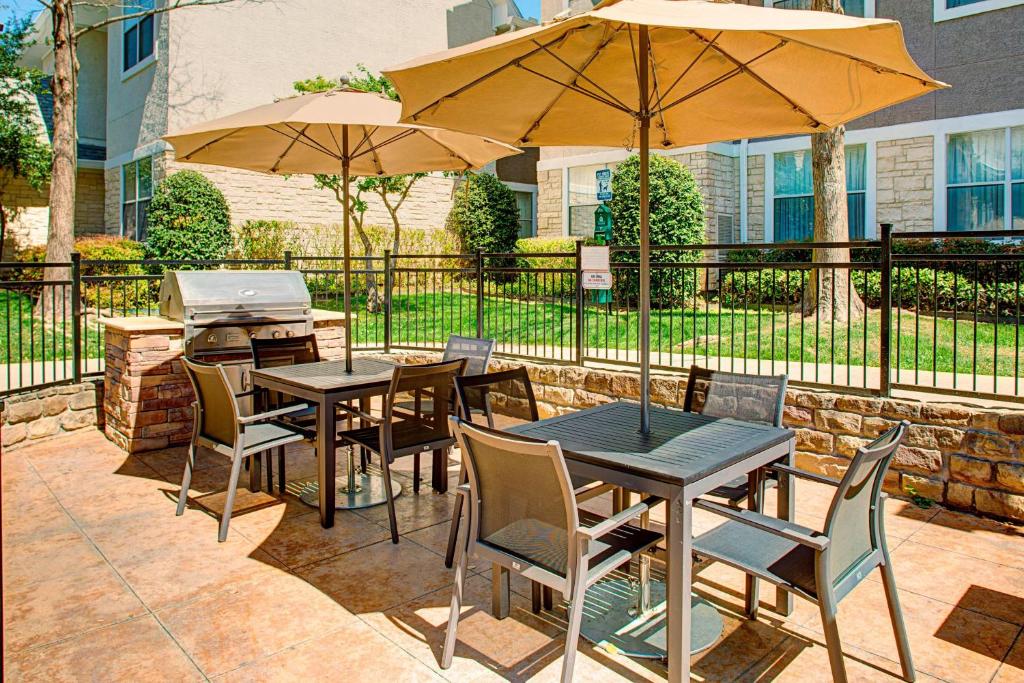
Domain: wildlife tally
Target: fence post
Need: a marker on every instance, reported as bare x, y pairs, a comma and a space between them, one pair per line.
387, 300
579, 302
885, 325
287, 259
76, 317
480, 294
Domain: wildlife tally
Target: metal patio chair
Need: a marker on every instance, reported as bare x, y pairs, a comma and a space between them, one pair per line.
275, 353
512, 392
219, 423
477, 353
821, 567
396, 434
754, 398
522, 516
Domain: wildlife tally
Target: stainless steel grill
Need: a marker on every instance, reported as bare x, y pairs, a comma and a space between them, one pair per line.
224, 309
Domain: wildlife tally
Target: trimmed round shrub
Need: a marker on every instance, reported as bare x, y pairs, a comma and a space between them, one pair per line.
676, 217
486, 216
189, 219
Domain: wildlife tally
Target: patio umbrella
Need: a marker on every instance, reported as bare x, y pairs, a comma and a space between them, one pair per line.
343, 130
695, 71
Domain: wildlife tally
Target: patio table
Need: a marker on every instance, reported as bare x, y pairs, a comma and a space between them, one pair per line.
326, 384
684, 456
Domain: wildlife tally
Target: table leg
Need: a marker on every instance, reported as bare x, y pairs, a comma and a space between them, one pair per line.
325, 436
753, 503
500, 591
256, 461
439, 471
786, 510
680, 570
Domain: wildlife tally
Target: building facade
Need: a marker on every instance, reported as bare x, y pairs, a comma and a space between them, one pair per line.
140, 79
949, 161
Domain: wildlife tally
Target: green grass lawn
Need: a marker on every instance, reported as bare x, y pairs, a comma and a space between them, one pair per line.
546, 328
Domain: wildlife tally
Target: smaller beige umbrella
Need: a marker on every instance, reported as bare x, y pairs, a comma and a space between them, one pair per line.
354, 132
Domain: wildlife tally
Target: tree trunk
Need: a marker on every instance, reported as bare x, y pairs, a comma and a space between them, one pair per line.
829, 292
61, 234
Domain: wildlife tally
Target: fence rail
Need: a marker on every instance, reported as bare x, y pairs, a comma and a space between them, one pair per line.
913, 311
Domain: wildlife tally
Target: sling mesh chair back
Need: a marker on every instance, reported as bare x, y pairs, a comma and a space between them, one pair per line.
276, 353
476, 353
395, 434
522, 516
821, 567
221, 425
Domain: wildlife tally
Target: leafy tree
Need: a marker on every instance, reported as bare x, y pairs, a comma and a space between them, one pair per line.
24, 153
391, 190
188, 219
676, 217
484, 215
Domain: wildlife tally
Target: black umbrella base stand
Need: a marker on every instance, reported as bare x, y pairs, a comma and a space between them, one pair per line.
613, 620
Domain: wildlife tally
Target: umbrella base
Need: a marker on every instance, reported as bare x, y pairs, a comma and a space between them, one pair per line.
368, 491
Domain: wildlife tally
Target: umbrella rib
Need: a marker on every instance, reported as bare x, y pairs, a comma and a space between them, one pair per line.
753, 74
394, 138
337, 144
576, 89
476, 81
524, 138
371, 149
282, 155
450, 151
366, 138
707, 46
211, 143
308, 141
579, 73
665, 142
860, 60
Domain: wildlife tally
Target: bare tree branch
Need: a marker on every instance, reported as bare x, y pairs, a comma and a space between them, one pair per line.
170, 6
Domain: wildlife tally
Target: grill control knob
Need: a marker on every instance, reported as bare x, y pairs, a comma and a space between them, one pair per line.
276, 334
252, 335
289, 333
211, 338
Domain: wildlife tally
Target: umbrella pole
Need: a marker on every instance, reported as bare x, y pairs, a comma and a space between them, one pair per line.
645, 240
347, 248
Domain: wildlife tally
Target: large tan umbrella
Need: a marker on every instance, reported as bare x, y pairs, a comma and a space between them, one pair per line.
348, 131
694, 71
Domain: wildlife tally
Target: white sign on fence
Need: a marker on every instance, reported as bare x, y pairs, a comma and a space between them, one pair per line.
595, 258
596, 279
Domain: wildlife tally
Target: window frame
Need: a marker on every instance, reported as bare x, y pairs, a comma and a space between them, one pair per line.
136, 25
869, 7
863, 194
944, 13
138, 198
531, 190
1007, 183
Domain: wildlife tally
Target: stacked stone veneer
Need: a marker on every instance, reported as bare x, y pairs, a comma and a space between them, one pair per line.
147, 395
905, 183
959, 455
34, 415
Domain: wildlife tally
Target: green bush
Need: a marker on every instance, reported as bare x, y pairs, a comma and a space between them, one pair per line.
484, 215
676, 217
535, 284
189, 219
262, 239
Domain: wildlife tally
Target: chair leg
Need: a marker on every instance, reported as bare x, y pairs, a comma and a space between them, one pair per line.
896, 615
416, 473
392, 518
453, 616
270, 472
280, 470
186, 480
572, 636
453, 532
835, 648
549, 597
535, 597
229, 500
751, 589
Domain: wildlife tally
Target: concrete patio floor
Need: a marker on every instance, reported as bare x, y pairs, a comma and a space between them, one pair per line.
102, 582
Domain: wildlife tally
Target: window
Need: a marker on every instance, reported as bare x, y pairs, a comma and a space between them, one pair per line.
954, 9
583, 198
853, 8
136, 191
524, 200
138, 35
985, 180
793, 205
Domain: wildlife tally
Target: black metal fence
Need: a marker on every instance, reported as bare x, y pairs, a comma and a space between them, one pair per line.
917, 311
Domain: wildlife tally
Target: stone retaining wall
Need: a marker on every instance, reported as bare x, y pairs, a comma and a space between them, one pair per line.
960, 455
35, 415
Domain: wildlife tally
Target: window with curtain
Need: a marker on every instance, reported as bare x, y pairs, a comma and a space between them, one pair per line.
138, 34
950, 4
793, 208
979, 183
524, 201
583, 198
136, 192
854, 8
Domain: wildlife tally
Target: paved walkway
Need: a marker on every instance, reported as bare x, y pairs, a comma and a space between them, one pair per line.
102, 582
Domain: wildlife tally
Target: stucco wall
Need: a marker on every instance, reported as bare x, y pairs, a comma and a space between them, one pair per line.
92, 86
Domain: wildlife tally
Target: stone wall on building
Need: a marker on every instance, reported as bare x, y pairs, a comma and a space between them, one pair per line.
89, 201
549, 203
956, 454
32, 213
905, 178
42, 413
755, 198
716, 176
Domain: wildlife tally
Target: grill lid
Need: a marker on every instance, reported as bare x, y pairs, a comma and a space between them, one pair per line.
253, 292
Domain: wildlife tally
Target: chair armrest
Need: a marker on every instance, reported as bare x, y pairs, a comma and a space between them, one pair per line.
786, 469
272, 413
776, 527
591, 533
592, 490
360, 414
250, 392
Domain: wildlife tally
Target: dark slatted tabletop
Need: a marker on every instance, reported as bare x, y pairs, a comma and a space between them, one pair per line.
682, 447
330, 375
